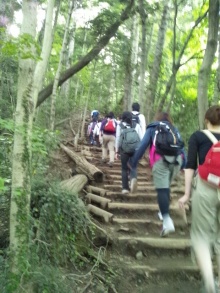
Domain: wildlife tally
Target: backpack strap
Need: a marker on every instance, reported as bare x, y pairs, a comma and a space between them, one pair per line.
210, 135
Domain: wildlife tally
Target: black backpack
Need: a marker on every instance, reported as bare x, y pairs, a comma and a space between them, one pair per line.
129, 139
167, 140
135, 119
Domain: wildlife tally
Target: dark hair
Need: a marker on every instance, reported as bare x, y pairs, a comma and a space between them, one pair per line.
127, 117
213, 115
163, 116
110, 115
135, 107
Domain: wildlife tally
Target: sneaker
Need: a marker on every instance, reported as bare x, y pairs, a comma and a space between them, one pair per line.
103, 161
110, 164
160, 216
125, 191
168, 227
133, 185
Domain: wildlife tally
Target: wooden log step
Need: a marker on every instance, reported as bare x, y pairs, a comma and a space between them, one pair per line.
160, 243
135, 221
131, 196
149, 208
158, 267
141, 172
106, 216
140, 188
142, 182
90, 197
118, 177
97, 190
139, 196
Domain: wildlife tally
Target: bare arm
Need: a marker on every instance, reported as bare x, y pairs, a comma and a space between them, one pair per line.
189, 173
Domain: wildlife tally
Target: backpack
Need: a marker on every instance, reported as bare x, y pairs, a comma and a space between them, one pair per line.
210, 169
135, 119
129, 139
91, 127
167, 140
110, 126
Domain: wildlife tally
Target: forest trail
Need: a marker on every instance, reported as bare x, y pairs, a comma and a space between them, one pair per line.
147, 261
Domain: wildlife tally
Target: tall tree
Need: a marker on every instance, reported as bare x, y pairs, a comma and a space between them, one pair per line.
21, 161
58, 71
29, 82
143, 55
154, 74
204, 72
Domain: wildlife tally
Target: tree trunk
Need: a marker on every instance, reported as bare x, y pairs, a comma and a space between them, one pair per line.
29, 81
58, 72
74, 184
103, 41
134, 58
143, 17
21, 160
216, 96
204, 72
154, 74
91, 171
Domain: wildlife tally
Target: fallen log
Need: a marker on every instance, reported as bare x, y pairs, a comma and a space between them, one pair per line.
83, 166
74, 184
106, 216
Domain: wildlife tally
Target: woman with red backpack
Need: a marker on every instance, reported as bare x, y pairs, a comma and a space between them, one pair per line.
202, 180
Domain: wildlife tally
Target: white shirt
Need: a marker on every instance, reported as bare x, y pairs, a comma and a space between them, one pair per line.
97, 128
118, 133
142, 121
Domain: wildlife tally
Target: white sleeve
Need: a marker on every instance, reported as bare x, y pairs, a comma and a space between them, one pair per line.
139, 131
142, 124
117, 138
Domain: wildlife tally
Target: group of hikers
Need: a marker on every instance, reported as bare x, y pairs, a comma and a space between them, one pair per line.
128, 138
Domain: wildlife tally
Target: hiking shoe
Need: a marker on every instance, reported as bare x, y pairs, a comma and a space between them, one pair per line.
110, 164
125, 191
103, 161
160, 216
133, 185
168, 227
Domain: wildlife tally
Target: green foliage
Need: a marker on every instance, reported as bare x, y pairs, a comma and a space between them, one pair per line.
43, 141
61, 223
60, 234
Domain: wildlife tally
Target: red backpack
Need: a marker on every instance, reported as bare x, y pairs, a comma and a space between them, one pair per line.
210, 169
110, 126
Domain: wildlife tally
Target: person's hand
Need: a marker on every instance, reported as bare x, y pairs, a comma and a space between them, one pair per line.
182, 201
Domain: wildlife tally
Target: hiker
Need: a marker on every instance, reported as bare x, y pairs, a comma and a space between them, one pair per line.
107, 136
90, 131
205, 228
126, 154
164, 167
138, 118
96, 132
95, 114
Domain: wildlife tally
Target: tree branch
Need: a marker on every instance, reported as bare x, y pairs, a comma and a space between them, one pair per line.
110, 32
